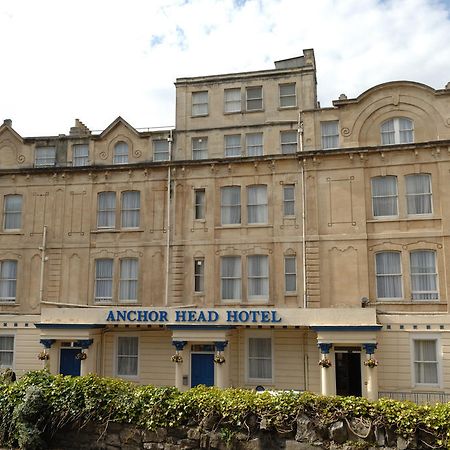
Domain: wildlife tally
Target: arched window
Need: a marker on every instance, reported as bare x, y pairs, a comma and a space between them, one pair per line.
120, 153
398, 130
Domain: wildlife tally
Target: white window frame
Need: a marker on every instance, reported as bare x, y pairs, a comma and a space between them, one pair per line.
80, 160
120, 153
288, 201
199, 148
11, 212
237, 278
254, 149
263, 206
122, 279
290, 274
108, 211
381, 216
254, 99
13, 351
100, 300
261, 276
199, 275
116, 359
287, 143
259, 334
231, 205
161, 150
287, 96
434, 294
8, 300
232, 150
329, 140
232, 106
396, 132
199, 204
200, 107
123, 211
45, 161
426, 337
419, 194
401, 297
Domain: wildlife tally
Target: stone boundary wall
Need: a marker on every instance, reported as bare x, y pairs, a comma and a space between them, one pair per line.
308, 435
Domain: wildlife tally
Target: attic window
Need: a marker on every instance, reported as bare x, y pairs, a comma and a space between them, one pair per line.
45, 156
398, 130
120, 153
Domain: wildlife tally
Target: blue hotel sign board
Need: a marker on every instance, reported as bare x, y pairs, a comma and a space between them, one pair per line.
193, 316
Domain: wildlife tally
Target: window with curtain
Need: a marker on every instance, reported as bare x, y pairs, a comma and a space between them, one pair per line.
384, 196
260, 359
232, 145
426, 363
330, 134
288, 96
289, 200
199, 207
120, 155
288, 142
128, 286
230, 205
200, 103
257, 204
232, 100
258, 277
254, 144
199, 275
103, 280
12, 212
290, 274
80, 155
254, 98
388, 275
45, 156
418, 193
127, 356
6, 351
161, 150
423, 275
200, 148
399, 130
106, 210
8, 280
230, 277
131, 208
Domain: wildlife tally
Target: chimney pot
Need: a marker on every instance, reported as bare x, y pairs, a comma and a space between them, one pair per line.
8, 122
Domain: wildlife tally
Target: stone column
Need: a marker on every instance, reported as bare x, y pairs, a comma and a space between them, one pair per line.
222, 374
326, 373
51, 363
179, 346
86, 363
371, 371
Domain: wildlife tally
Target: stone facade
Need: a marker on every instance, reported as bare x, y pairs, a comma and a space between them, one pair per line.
263, 231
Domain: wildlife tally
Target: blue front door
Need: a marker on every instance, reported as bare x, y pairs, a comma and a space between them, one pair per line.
68, 364
202, 369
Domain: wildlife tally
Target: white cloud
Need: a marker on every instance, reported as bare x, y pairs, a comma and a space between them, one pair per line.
99, 59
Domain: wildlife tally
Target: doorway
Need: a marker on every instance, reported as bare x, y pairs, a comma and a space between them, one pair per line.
348, 371
202, 365
68, 363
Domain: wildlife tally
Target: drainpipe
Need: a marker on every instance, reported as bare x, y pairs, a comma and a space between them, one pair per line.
43, 259
303, 189
169, 181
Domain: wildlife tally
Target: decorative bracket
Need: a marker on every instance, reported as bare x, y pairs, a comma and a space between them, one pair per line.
84, 343
47, 343
220, 345
179, 345
324, 348
369, 348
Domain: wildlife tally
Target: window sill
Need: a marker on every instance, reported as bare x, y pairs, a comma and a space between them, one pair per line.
233, 112
238, 225
408, 302
283, 108
12, 232
254, 110
199, 115
117, 230
403, 219
8, 303
291, 294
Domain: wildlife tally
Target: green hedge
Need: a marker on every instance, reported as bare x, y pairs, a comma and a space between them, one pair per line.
39, 404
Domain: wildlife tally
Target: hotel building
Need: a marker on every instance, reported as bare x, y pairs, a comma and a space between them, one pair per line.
264, 241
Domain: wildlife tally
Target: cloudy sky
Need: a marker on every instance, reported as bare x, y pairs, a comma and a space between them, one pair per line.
97, 59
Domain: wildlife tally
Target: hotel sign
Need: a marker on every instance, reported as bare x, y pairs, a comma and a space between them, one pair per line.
193, 316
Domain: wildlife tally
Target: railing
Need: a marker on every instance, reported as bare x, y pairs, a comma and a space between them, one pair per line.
417, 397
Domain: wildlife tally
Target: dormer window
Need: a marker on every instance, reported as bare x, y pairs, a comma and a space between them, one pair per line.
120, 153
398, 130
45, 156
